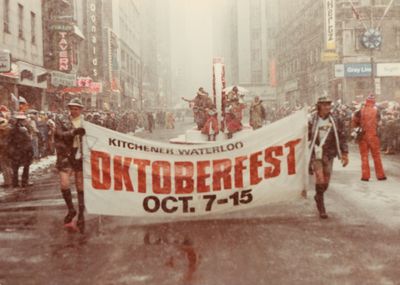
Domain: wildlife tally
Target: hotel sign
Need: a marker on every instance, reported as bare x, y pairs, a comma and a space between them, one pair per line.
330, 27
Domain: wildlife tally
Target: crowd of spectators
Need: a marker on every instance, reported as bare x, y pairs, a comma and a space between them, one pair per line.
40, 127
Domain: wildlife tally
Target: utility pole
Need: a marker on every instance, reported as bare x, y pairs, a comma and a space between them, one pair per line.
372, 50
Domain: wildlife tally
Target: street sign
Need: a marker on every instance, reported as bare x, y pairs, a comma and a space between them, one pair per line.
353, 70
388, 69
357, 69
5, 61
63, 79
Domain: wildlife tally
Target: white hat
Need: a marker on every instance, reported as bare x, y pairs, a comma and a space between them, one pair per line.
22, 100
75, 102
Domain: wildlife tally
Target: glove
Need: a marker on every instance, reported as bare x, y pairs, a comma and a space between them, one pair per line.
345, 159
79, 132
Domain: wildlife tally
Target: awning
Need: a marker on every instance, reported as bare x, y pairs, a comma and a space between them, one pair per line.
14, 73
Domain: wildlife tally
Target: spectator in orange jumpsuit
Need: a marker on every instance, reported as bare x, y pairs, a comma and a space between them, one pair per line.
367, 118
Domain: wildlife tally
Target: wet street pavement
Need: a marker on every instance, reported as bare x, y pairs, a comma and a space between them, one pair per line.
280, 244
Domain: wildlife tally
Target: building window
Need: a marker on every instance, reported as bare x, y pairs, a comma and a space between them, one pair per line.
20, 21
6, 17
33, 28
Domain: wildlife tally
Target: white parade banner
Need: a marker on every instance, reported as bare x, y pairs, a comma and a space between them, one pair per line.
129, 176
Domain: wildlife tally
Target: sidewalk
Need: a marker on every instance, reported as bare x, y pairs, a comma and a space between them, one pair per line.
380, 200
34, 169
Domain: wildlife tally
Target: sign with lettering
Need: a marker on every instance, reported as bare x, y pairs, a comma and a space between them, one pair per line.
129, 176
330, 26
353, 70
94, 38
62, 79
5, 61
64, 62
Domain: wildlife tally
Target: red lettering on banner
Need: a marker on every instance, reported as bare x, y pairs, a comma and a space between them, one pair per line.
121, 173
222, 171
202, 175
161, 177
255, 163
188, 176
184, 183
141, 165
275, 170
239, 167
101, 178
291, 158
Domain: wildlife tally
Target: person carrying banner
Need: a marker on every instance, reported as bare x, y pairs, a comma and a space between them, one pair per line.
68, 142
367, 118
327, 136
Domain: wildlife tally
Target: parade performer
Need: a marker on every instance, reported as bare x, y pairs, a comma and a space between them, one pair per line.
68, 142
200, 105
257, 113
233, 117
368, 118
327, 137
211, 128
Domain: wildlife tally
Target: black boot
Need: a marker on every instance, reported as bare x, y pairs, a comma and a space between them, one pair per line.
319, 199
81, 218
68, 201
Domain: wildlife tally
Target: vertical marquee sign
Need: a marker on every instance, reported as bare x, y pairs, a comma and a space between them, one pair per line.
94, 39
330, 25
63, 45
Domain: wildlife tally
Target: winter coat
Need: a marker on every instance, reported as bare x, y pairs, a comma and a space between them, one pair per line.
20, 149
257, 115
4, 135
368, 118
211, 126
329, 149
64, 139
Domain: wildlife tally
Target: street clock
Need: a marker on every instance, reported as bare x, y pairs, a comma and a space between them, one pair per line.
371, 39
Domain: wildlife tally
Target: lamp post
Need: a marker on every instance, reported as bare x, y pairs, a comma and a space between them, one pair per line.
372, 39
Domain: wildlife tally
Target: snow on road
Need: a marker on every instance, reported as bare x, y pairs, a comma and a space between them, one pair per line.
380, 200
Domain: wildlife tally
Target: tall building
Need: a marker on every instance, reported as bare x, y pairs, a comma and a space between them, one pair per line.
163, 19
62, 44
21, 34
126, 24
318, 54
244, 32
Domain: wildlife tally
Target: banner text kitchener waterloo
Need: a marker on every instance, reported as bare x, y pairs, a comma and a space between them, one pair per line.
130, 174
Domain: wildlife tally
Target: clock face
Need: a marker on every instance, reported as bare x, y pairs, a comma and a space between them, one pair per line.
371, 39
